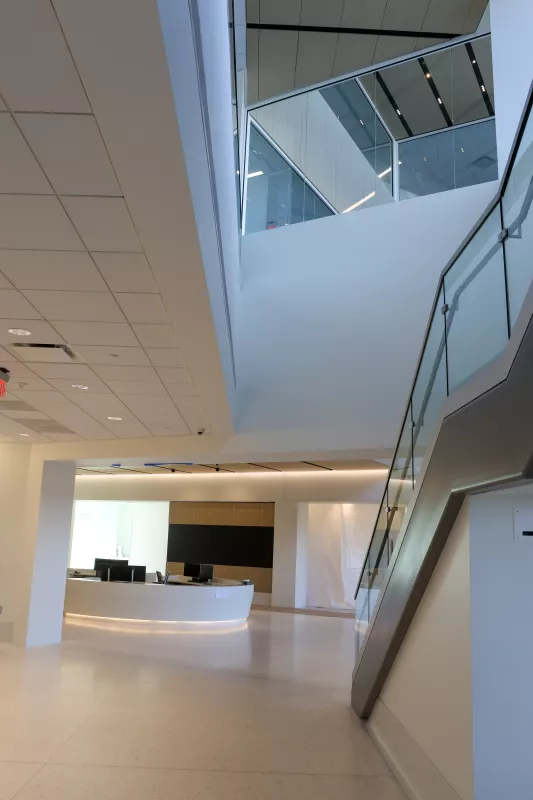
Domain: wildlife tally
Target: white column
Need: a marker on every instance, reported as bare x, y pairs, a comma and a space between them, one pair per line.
50, 557
36, 501
512, 56
289, 568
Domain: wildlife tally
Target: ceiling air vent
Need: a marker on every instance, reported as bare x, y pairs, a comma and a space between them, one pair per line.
50, 353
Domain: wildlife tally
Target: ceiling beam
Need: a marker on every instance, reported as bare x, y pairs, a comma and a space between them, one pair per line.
267, 26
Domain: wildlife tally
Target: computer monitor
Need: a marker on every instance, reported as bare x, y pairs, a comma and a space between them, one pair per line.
200, 573
128, 573
103, 565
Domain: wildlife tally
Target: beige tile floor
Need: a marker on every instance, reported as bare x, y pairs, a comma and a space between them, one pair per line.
254, 711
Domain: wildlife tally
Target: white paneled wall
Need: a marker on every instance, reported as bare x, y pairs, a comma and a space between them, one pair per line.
308, 131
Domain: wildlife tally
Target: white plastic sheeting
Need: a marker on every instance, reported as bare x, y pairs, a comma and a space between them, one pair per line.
338, 537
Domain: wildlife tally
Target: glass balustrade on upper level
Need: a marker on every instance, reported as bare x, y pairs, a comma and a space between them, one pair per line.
477, 305
419, 125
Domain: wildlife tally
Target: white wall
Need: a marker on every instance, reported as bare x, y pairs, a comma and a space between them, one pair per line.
363, 486
423, 719
338, 539
502, 646
512, 30
309, 132
141, 527
14, 466
334, 312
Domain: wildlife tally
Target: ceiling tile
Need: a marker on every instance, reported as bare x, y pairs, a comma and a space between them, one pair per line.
282, 12
14, 428
126, 272
406, 16
71, 151
4, 283
166, 357
276, 73
153, 415
353, 52
35, 222
19, 169
65, 385
173, 375
448, 17
40, 331
83, 424
30, 384
101, 333
42, 269
168, 429
127, 428
143, 308
103, 223
76, 306
192, 412
19, 370
363, 15
119, 373
12, 303
393, 46
98, 403
123, 356
473, 19
37, 70
6, 356
43, 400
317, 12
252, 10
23, 414
72, 372
252, 64
156, 335
137, 387
177, 390
316, 54
138, 402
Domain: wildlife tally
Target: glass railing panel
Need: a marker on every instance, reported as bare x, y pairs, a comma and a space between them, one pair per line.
475, 153
276, 195
430, 388
450, 159
474, 291
400, 487
518, 219
371, 576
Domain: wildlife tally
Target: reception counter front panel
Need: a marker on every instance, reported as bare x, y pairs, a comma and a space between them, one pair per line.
159, 602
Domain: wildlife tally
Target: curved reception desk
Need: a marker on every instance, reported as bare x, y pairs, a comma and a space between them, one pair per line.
220, 601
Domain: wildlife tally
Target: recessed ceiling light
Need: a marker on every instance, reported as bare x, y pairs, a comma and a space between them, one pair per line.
79, 386
116, 419
19, 332
113, 355
24, 434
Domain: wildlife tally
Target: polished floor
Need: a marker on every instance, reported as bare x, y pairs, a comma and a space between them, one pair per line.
255, 710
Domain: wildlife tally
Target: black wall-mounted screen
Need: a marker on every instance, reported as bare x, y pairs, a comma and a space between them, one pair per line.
231, 545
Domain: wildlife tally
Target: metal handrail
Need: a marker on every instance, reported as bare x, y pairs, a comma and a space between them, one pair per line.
515, 225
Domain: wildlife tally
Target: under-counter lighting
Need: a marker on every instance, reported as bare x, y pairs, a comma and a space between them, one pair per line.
256, 174
359, 203
385, 172
19, 332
